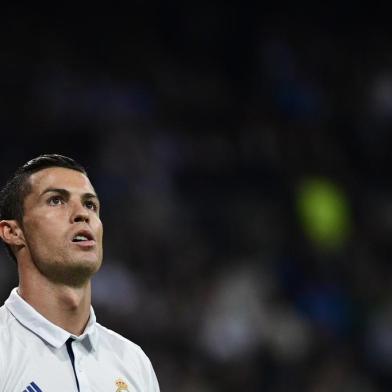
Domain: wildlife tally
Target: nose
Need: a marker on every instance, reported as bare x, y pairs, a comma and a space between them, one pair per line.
79, 213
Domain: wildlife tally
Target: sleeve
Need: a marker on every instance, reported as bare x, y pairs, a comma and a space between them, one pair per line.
150, 380
153, 381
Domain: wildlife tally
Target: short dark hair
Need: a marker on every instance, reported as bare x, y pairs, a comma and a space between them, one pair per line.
18, 187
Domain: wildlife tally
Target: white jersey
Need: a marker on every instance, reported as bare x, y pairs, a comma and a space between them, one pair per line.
38, 356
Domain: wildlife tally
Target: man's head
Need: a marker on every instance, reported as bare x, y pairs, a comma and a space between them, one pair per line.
49, 214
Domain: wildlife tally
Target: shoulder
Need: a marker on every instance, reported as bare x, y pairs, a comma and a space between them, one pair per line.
7, 329
3, 315
7, 323
7, 320
130, 353
121, 345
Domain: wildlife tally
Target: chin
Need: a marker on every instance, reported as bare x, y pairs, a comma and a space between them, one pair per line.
74, 274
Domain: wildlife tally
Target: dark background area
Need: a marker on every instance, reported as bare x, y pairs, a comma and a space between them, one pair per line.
242, 157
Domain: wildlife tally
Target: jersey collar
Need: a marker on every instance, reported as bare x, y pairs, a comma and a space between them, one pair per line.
45, 329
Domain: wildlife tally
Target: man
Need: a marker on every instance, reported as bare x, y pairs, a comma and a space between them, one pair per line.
49, 339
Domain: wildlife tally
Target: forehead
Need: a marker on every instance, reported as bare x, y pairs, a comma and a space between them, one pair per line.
60, 178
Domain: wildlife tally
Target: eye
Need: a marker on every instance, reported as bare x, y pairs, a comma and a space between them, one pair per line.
56, 200
91, 205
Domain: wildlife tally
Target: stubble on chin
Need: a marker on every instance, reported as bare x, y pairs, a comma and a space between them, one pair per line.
73, 274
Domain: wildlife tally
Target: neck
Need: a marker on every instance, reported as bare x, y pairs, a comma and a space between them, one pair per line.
66, 307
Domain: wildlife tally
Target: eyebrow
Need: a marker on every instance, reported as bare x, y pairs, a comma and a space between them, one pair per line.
66, 193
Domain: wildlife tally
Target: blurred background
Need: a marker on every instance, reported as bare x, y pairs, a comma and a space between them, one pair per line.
241, 156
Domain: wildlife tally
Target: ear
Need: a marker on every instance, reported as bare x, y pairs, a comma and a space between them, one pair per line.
11, 233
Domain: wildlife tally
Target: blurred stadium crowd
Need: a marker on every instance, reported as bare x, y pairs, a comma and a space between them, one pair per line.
242, 163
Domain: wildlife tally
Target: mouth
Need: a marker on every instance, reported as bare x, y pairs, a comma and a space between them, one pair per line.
84, 238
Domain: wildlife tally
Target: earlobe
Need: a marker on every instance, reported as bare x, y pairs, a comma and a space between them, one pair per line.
11, 233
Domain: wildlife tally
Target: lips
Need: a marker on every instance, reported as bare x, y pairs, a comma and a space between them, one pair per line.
83, 238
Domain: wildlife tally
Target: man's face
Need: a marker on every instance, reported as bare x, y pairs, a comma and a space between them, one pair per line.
61, 226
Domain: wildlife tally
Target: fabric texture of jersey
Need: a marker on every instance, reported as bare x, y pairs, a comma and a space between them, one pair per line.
34, 355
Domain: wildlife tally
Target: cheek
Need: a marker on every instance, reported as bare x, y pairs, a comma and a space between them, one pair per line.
98, 228
42, 230
43, 237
